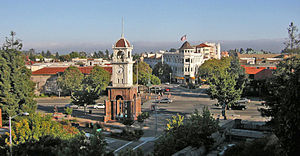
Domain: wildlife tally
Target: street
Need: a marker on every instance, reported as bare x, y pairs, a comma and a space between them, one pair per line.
184, 103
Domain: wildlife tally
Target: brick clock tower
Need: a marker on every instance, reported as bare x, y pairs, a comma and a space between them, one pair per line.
124, 100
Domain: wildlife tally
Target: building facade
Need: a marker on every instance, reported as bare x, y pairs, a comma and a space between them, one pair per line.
187, 59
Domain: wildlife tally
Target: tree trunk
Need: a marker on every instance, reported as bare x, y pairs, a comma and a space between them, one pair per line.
224, 111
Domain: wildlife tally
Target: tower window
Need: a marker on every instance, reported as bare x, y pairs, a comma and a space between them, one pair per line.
118, 80
128, 54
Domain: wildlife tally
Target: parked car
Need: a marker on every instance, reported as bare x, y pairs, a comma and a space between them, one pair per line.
238, 106
244, 100
99, 106
72, 106
164, 100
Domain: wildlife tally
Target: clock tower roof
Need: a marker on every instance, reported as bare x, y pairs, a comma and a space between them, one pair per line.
122, 43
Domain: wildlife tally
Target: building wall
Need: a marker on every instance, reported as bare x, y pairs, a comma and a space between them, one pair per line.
40, 81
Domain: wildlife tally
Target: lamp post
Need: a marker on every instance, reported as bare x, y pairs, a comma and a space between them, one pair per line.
10, 139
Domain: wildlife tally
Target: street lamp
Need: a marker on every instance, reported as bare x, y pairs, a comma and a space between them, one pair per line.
10, 139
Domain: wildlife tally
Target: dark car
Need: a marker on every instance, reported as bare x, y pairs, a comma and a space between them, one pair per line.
238, 107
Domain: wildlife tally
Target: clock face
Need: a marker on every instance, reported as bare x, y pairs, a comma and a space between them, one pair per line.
120, 70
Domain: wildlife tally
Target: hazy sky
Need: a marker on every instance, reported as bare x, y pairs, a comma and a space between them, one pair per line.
66, 25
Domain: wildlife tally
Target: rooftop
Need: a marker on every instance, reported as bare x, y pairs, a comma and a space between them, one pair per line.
55, 70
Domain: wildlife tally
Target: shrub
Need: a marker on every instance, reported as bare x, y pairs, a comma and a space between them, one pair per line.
37, 125
196, 131
68, 111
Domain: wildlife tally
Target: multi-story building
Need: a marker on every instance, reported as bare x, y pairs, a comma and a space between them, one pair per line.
153, 59
187, 59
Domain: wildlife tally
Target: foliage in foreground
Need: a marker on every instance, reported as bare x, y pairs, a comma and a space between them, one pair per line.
16, 88
196, 131
282, 100
36, 126
260, 147
131, 152
80, 145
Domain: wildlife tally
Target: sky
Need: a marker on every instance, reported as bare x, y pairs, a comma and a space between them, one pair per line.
150, 25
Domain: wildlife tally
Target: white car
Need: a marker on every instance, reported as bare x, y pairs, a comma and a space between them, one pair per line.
72, 106
99, 106
165, 100
243, 100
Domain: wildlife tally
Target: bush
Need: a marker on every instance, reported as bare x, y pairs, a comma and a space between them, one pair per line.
127, 121
68, 111
131, 152
37, 125
196, 131
262, 147
129, 135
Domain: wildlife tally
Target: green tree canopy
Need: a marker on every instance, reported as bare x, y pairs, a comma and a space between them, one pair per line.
145, 73
226, 81
71, 79
92, 86
195, 131
38, 125
162, 71
282, 99
16, 88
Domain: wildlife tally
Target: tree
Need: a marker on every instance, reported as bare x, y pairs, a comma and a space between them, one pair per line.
82, 54
162, 71
71, 80
195, 132
242, 51
16, 88
145, 74
282, 100
12, 43
293, 40
226, 83
92, 86
172, 50
82, 145
43, 54
78, 145
74, 54
48, 54
106, 54
56, 55
38, 125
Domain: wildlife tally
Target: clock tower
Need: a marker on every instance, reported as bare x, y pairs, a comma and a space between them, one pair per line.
122, 63
124, 100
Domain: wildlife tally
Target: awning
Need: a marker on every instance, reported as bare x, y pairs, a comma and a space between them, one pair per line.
181, 78
193, 78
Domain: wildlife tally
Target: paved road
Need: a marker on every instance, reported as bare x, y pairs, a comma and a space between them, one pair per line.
184, 102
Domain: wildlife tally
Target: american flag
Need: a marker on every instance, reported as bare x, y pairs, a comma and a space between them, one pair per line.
183, 38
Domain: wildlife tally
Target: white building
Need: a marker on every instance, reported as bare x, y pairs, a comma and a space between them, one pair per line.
186, 60
153, 59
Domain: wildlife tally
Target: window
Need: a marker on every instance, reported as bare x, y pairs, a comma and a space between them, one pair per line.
187, 60
118, 80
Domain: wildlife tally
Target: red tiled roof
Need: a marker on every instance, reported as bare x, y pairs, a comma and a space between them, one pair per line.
121, 43
255, 70
202, 45
55, 70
